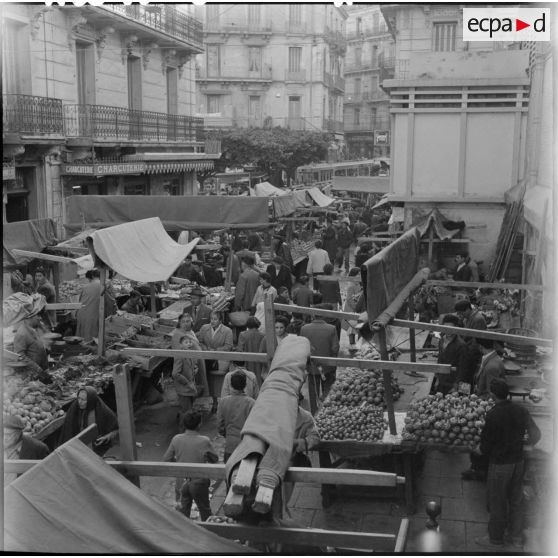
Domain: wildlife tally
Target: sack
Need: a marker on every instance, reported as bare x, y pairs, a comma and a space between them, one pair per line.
301, 460
239, 319
169, 391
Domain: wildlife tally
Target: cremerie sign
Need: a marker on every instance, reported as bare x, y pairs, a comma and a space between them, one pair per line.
98, 169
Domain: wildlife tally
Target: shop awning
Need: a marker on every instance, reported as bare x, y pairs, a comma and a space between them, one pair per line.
440, 225
319, 198
177, 166
141, 250
34, 236
73, 502
176, 212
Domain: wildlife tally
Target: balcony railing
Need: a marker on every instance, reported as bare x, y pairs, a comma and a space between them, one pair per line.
295, 76
32, 115
295, 27
106, 123
264, 74
162, 17
244, 28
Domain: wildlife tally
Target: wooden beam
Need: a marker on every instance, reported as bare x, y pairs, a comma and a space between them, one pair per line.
316, 311
479, 285
270, 337
153, 300
482, 333
216, 471
125, 415
233, 504
39, 256
305, 537
245, 475
263, 500
412, 342
64, 306
101, 336
213, 355
392, 366
401, 540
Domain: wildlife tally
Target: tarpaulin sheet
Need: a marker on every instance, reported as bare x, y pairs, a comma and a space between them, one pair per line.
140, 251
436, 220
302, 198
534, 203
321, 199
390, 270
33, 236
176, 212
19, 306
284, 205
273, 417
73, 502
266, 189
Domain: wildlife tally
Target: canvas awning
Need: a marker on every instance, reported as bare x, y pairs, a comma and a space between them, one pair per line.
177, 213
34, 236
319, 198
266, 189
437, 221
75, 503
140, 251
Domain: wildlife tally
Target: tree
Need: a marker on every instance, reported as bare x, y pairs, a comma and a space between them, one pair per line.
274, 150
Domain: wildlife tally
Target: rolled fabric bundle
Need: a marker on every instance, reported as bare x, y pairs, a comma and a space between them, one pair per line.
272, 420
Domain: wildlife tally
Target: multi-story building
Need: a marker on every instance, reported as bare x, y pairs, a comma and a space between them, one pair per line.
272, 65
458, 119
369, 61
98, 100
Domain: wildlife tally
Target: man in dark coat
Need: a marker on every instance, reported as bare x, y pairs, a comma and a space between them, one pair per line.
280, 274
208, 276
323, 342
200, 312
453, 351
501, 442
329, 239
462, 270
247, 285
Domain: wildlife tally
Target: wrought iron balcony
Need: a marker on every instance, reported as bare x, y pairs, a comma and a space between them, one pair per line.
367, 32
334, 81
299, 76
106, 123
263, 74
164, 18
249, 28
30, 115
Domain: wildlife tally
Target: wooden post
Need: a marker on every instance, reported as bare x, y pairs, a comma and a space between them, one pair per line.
56, 279
412, 344
270, 338
228, 276
125, 413
430, 245
386, 374
101, 341
153, 298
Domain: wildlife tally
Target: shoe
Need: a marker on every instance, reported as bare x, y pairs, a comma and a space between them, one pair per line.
487, 543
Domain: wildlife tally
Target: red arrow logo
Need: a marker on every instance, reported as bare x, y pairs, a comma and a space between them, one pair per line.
519, 25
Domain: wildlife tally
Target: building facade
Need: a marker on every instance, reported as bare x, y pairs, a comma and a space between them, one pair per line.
458, 122
271, 65
98, 100
369, 61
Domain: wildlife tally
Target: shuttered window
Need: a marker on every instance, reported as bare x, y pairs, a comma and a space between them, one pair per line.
444, 36
295, 56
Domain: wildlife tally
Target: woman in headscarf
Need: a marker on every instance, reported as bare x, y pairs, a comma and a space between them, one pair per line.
88, 409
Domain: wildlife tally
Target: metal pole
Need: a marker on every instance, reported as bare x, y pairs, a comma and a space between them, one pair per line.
101, 340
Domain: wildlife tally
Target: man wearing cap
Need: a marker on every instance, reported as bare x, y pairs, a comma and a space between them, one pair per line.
280, 274
28, 342
18, 445
507, 426
186, 270
200, 312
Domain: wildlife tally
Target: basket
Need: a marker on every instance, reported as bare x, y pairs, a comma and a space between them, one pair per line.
239, 319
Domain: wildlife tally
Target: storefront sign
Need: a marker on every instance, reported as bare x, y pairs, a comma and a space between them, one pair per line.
381, 137
8, 173
104, 169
